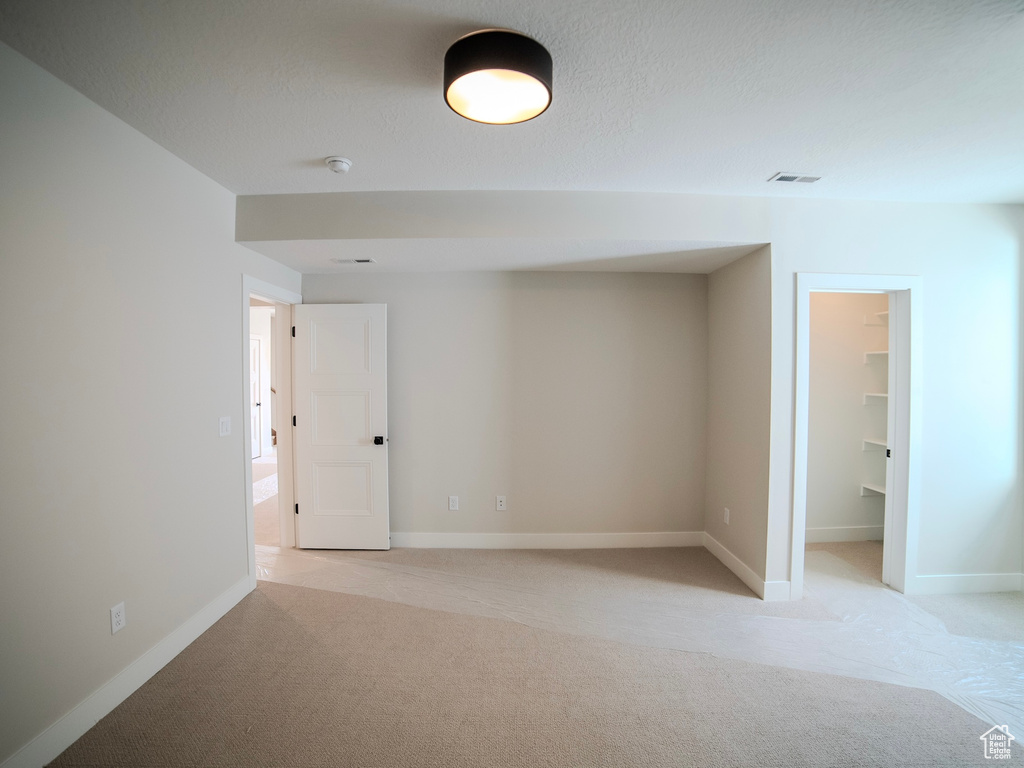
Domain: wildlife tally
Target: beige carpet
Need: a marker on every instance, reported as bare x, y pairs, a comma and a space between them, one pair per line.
268, 522
995, 616
265, 511
865, 556
262, 468
682, 577
302, 677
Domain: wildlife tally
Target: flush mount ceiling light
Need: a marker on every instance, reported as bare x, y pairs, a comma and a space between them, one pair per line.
497, 76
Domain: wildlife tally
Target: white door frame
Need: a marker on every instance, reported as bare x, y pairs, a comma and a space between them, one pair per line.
903, 482
252, 286
253, 443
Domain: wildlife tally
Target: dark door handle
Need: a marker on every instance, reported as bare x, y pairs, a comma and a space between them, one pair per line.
378, 440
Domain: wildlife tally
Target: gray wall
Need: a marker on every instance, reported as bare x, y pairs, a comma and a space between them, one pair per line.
115, 484
969, 257
739, 394
581, 397
838, 419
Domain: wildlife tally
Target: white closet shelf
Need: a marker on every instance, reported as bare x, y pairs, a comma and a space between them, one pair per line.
871, 445
878, 318
870, 489
868, 356
875, 398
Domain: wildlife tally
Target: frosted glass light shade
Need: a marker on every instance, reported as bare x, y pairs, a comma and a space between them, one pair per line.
497, 76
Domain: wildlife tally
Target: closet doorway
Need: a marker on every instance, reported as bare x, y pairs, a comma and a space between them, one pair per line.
857, 425
847, 426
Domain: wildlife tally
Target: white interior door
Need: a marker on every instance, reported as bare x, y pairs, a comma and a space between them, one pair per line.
894, 552
341, 452
254, 398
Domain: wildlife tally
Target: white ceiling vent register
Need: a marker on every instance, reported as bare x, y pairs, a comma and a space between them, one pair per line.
789, 177
354, 261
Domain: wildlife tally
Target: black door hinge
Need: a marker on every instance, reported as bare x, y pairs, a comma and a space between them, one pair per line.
296, 509
293, 331
888, 453
294, 424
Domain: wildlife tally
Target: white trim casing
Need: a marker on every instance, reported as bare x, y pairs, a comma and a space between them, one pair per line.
282, 380
269, 291
63, 733
547, 540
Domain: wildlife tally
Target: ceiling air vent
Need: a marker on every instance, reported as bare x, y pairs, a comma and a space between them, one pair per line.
353, 261
799, 177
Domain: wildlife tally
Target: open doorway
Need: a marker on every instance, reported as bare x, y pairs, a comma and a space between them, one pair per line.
282, 300
848, 428
264, 427
903, 369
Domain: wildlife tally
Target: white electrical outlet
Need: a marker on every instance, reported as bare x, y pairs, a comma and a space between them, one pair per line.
117, 618
499, 503
453, 503
726, 515
225, 426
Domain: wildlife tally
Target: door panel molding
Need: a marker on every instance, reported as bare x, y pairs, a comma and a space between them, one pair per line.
340, 395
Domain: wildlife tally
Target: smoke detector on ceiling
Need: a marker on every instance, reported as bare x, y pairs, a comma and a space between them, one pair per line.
797, 177
338, 164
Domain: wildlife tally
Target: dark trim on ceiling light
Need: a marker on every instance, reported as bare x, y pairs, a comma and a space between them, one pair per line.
497, 49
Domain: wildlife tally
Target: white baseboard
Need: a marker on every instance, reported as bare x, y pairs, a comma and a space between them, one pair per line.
769, 591
548, 540
964, 583
844, 533
63, 733
777, 591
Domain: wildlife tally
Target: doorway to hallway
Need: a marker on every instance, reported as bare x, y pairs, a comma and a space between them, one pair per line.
265, 501
264, 425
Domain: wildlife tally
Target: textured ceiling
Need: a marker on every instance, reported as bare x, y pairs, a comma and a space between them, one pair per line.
886, 99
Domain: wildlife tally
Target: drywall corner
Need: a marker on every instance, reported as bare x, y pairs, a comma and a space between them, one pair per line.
739, 412
769, 591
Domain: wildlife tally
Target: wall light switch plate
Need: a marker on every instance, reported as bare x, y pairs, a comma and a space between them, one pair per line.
499, 503
225, 426
726, 515
453, 503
